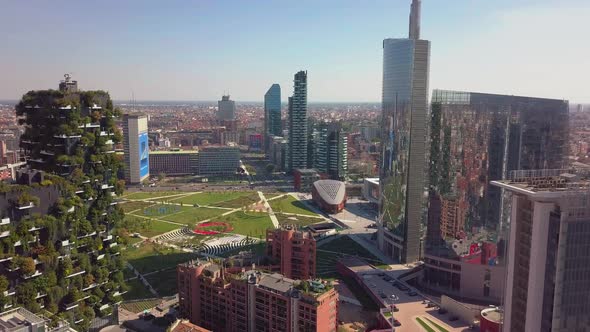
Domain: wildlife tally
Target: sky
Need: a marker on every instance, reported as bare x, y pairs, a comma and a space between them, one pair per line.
199, 50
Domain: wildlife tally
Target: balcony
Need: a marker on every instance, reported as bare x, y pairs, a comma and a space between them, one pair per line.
34, 275
90, 125
76, 274
26, 206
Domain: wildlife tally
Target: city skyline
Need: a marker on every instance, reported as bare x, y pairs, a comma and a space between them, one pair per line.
130, 56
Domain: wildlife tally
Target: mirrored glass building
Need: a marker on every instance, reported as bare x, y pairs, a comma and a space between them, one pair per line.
476, 138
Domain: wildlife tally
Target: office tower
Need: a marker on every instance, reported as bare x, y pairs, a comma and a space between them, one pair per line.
179, 162
249, 301
61, 213
136, 145
272, 114
404, 126
298, 123
219, 160
226, 109
303, 179
477, 138
548, 251
3, 150
331, 153
278, 152
294, 250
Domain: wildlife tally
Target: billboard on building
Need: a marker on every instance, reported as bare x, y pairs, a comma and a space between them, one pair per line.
144, 153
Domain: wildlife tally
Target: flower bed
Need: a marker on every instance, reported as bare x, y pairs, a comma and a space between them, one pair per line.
212, 228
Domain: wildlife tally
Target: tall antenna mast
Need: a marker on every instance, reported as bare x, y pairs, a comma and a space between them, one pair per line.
414, 31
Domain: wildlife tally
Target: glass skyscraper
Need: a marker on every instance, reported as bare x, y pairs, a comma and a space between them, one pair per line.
476, 138
404, 124
298, 123
272, 111
331, 151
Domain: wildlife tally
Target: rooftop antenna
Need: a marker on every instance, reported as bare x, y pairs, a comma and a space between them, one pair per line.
414, 31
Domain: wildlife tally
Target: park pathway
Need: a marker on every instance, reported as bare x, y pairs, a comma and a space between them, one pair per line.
271, 213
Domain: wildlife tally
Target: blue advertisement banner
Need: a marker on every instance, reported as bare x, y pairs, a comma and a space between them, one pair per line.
144, 153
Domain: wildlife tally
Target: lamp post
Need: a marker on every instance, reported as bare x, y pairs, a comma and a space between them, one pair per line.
393, 299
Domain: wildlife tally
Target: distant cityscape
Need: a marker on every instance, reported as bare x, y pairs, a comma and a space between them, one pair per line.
432, 210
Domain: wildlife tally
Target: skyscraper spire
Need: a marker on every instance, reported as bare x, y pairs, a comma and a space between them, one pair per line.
414, 32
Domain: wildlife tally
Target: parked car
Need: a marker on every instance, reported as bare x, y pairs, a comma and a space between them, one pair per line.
430, 305
387, 278
395, 308
396, 322
412, 293
442, 311
403, 288
383, 296
453, 318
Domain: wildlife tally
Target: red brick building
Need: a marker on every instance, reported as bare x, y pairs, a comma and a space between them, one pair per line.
254, 301
294, 250
329, 195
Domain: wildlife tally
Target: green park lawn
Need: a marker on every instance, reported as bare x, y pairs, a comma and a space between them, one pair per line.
164, 282
328, 254
155, 227
151, 257
145, 227
151, 194
136, 290
290, 204
191, 215
210, 198
299, 221
272, 195
238, 202
139, 306
130, 206
253, 224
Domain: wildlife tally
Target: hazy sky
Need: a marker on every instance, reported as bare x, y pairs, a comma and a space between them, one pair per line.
196, 50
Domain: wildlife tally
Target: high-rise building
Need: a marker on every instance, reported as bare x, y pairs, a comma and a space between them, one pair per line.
176, 162
298, 123
249, 301
136, 145
404, 127
64, 206
226, 109
548, 251
272, 114
219, 160
3, 150
477, 138
331, 151
294, 250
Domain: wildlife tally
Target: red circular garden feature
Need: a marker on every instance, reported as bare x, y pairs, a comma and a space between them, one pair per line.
212, 228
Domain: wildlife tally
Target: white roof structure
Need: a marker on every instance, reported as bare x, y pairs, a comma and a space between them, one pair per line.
331, 191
